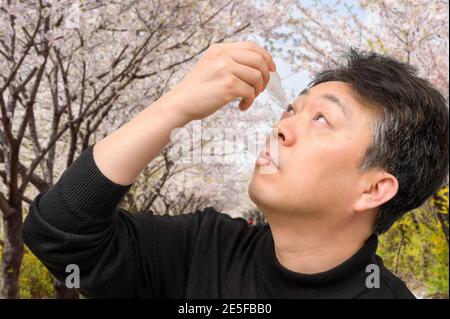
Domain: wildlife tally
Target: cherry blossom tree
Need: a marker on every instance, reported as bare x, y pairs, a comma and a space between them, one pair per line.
414, 31
73, 71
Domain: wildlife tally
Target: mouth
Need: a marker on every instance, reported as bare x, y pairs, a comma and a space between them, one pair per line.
265, 159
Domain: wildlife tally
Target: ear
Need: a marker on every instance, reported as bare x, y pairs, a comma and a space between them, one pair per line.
381, 188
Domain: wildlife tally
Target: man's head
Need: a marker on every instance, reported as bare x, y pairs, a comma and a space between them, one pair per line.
367, 141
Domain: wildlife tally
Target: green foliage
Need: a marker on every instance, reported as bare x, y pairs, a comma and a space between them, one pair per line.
416, 249
35, 280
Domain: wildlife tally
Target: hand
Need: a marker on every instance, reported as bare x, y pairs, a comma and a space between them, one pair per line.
225, 72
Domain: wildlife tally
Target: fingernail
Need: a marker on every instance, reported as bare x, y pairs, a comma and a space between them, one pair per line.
274, 67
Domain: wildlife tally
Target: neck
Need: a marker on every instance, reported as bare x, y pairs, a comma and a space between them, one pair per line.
311, 245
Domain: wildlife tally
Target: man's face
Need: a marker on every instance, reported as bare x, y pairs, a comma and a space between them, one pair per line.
320, 146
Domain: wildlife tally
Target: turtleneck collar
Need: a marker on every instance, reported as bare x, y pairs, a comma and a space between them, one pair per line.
343, 281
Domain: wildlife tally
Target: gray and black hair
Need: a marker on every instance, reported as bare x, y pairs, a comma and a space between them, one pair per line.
410, 135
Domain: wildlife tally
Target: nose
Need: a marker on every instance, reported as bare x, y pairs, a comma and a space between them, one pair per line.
280, 135
285, 134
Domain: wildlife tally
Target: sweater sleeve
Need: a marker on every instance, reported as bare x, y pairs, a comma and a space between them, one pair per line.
119, 254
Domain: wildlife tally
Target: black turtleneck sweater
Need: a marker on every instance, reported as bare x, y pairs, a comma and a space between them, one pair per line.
204, 254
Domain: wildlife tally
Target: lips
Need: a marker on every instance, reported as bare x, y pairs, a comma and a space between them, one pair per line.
266, 159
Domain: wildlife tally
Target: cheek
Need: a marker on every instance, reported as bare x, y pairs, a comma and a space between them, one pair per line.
325, 163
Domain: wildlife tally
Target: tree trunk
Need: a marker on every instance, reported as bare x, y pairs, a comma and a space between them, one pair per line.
399, 249
12, 253
62, 292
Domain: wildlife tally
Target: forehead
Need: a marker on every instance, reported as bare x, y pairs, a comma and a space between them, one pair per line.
360, 113
342, 90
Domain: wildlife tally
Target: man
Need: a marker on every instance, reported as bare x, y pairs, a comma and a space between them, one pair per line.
366, 142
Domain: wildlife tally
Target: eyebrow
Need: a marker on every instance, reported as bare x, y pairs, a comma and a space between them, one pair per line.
331, 98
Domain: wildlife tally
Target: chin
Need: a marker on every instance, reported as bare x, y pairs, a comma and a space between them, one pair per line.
262, 193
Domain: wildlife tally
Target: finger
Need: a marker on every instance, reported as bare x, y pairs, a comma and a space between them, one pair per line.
254, 60
247, 92
244, 104
252, 46
250, 75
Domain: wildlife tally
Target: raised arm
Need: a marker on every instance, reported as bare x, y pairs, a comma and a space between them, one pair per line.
77, 221
225, 72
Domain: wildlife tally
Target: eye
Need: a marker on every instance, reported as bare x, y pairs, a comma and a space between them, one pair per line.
289, 111
290, 108
319, 117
